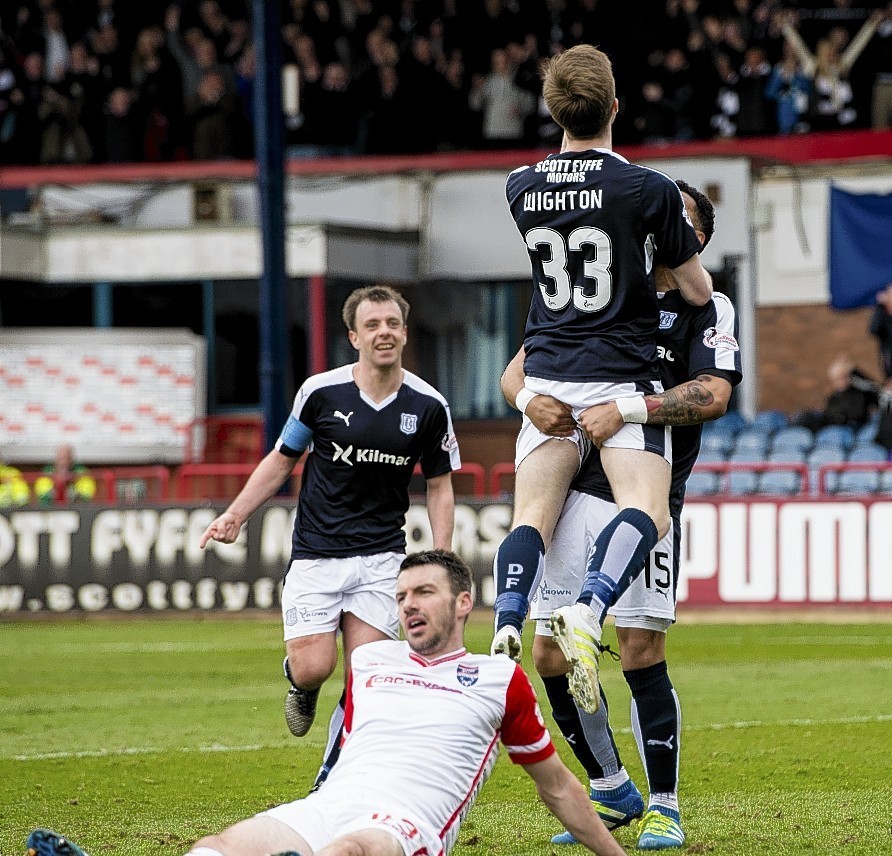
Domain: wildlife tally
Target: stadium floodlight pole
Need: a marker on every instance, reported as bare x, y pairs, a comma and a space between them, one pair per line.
269, 149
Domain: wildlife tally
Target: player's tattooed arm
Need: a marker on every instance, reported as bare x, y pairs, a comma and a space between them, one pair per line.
698, 400
701, 399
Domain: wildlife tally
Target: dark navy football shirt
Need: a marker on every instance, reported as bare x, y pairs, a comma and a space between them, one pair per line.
355, 488
691, 341
594, 225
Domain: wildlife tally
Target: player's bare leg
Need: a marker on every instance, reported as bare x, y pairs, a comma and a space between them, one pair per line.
369, 842
541, 484
256, 836
640, 483
309, 663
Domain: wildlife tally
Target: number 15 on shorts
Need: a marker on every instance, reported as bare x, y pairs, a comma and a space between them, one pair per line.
658, 571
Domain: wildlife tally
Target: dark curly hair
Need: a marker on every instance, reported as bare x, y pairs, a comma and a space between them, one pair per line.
705, 221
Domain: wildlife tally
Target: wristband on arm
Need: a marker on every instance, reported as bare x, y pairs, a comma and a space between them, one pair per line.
523, 398
632, 409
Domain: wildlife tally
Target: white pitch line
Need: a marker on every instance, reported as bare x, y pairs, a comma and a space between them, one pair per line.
793, 723
864, 641
260, 747
150, 750
163, 647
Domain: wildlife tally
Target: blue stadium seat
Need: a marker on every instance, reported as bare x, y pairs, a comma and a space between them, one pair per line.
783, 482
769, 421
793, 439
703, 484
744, 482
721, 442
825, 455
711, 456
858, 482
867, 433
752, 440
706, 483
868, 453
732, 422
835, 435
786, 456
779, 482
863, 481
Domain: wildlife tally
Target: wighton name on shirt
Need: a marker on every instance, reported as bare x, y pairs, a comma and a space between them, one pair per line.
562, 200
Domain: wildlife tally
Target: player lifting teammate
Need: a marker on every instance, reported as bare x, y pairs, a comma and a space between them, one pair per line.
594, 226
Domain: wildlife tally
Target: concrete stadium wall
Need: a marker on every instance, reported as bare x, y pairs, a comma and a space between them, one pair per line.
771, 200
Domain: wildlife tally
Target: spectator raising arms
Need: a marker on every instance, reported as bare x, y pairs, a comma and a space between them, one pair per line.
828, 68
504, 105
216, 120
789, 87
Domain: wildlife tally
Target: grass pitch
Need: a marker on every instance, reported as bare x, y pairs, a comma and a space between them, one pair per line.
137, 736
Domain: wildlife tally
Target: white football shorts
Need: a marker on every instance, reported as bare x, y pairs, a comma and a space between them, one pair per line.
649, 603
334, 810
581, 396
318, 591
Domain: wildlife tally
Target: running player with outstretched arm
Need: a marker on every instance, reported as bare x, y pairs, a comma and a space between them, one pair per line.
365, 427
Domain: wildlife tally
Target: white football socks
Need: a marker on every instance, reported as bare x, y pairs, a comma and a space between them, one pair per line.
608, 783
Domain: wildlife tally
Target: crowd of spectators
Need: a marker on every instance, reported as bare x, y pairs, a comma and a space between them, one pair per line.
92, 81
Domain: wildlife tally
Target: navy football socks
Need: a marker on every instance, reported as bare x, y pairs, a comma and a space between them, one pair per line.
618, 557
517, 569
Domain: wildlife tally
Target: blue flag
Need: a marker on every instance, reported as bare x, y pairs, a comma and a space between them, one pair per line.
860, 247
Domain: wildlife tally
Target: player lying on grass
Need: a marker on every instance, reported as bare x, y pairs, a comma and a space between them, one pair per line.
423, 723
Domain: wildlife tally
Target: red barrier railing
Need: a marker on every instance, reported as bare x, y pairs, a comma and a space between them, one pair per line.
225, 440
219, 481
726, 468
846, 467
222, 481
797, 148
476, 472
497, 472
119, 484
133, 484
210, 481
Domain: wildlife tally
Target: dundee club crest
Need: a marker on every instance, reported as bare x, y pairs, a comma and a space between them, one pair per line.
667, 319
408, 423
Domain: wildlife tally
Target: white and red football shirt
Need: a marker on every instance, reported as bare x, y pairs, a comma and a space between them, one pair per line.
423, 734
